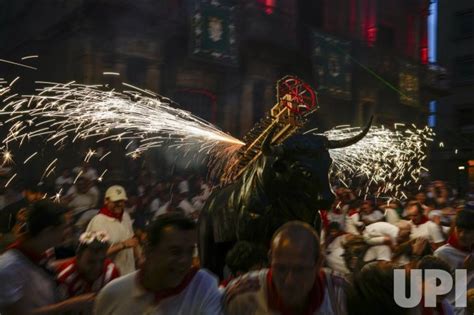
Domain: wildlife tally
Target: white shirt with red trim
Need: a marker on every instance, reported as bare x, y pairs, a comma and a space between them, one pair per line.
429, 230
125, 296
118, 231
71, 283
255, 302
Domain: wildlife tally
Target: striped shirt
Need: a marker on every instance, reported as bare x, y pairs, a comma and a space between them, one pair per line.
72, 283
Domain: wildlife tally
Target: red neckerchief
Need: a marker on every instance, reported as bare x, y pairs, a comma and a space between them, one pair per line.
352, 212
324, 218
166, 293
430, 311
316, 296
107, 212
454, 242
224, 283
423, 220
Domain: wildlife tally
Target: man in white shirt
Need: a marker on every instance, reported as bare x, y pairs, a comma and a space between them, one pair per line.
117, 223
295, 282
459, 249
167, 283
422, 226
27, 282
82, 196
382, 236
369, 214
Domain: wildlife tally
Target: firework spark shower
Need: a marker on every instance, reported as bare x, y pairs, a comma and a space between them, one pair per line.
67, 113
82, 112
389, 159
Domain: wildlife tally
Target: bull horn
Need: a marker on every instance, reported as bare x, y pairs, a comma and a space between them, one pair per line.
267, 147
334, 144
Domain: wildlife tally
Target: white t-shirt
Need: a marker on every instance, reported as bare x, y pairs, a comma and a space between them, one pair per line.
118, 232
155, 205
391, 216
373, 217
24, 282
429, 230
125, 296
375, 233
256, 302
353, 223
334, 259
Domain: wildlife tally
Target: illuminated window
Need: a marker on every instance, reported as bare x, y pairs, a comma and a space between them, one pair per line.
268, 6
432, 116
432, 30
371, 35
424, 55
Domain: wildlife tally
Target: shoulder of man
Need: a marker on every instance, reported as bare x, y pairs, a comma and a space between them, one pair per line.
116, 291
12, 277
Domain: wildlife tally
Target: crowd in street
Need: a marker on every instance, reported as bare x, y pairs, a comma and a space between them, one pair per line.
131, 248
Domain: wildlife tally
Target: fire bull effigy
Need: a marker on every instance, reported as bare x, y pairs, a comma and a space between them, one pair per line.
281, 175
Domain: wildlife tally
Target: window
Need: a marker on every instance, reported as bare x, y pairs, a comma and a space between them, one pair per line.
432, 115
386, 37
466, 117
268, 6
464, 24
258, 97
199, 102
464, 69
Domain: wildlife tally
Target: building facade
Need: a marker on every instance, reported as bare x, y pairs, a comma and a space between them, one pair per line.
453, 115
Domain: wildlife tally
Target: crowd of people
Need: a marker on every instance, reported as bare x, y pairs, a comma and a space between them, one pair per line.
131, 248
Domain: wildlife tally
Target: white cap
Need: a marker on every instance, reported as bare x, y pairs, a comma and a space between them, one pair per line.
116, 193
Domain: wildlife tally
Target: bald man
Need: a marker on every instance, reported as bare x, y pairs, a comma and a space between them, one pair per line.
295, 282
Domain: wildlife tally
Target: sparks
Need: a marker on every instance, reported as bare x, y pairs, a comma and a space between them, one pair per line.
383, 158
7, 157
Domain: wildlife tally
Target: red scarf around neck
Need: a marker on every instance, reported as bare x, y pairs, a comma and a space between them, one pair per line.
423, 220
316, 296
166, 293
105, 211
454, 242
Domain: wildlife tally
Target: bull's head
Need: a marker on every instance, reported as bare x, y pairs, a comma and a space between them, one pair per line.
300, 165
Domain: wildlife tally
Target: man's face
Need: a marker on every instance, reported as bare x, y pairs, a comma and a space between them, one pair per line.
367, 208
33, 196
115, 206
412, 212
90, 263
82, 186
465, 237
293, 270
170, 260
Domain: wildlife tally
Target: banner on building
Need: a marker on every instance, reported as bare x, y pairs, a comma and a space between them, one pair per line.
332, 65
409, 84
213, 32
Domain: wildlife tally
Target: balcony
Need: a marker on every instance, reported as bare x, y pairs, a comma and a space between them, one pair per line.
274, 26
435, 80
